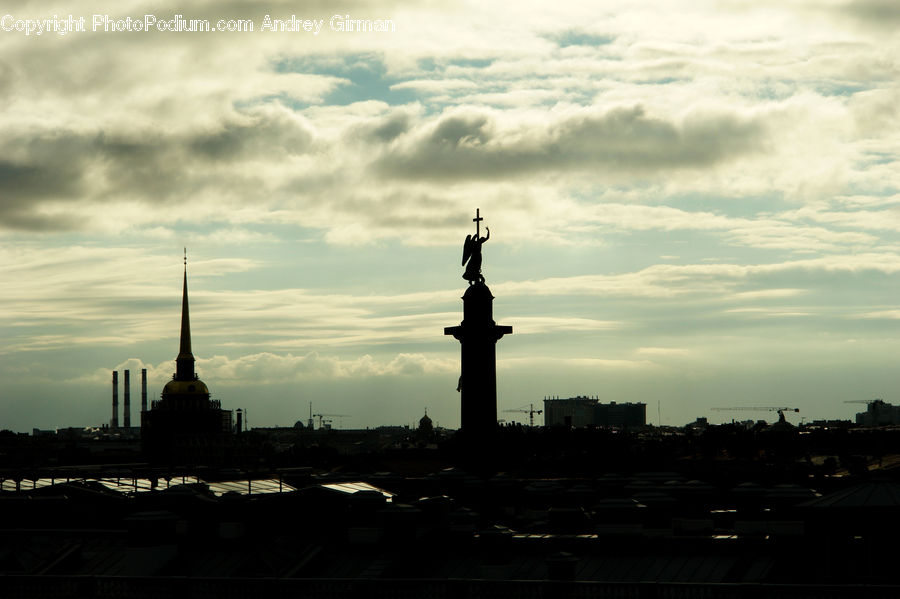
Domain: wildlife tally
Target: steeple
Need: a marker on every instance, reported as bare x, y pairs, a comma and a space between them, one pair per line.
184, 363
185, 390
185, 426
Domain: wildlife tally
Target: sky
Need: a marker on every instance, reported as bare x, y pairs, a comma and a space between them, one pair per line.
692, 204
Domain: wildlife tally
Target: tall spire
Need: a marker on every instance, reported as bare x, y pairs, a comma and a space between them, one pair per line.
184, 363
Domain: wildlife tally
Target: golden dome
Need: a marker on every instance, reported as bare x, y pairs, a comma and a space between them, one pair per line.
176, 387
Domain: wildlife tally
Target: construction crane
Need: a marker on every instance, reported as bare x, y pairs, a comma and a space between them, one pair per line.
780, 411
530, 411
324, 416
865, 401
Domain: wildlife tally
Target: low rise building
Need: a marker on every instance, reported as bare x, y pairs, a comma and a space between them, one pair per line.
879, 413
582, 411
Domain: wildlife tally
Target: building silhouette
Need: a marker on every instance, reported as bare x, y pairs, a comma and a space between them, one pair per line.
185, 426
588, 411
620, 414
572, 509
879, 413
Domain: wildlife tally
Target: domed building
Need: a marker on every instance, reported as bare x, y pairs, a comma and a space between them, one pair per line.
425, 425
425, 432
184, 426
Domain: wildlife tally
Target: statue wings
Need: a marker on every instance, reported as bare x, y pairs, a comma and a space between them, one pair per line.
468, 246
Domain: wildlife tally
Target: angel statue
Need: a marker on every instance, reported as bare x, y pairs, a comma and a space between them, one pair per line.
472, 253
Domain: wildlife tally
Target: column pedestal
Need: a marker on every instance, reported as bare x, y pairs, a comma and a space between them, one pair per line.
478, 335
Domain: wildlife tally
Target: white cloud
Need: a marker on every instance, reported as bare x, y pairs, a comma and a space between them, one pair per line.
268, 368
670, 280
552, 362
663, 351
530, 325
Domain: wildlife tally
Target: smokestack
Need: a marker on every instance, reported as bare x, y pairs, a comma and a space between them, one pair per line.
114, 423
127, 399
143, 389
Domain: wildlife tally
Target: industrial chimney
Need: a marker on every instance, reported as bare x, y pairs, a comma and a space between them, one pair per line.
143, 389
114, 423
127, 418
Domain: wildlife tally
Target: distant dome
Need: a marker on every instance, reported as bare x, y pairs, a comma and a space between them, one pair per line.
425, 423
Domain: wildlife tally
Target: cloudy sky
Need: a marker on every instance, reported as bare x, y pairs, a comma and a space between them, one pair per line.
693, 204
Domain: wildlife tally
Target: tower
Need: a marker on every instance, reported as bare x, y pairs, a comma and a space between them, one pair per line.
126, 410
477, 335
114, 423
143, 389
185, 426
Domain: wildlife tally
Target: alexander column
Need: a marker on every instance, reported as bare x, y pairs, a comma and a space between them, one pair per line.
478, 335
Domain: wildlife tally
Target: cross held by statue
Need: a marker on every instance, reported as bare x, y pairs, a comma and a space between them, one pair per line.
477, 220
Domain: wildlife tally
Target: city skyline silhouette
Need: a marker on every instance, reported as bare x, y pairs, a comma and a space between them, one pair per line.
693, 216
303, 234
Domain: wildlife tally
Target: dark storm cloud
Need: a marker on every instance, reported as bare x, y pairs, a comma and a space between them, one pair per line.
72, 167
379, 130
882, 13
389, 128
43, 167
24, 182
624, 140
22, 218
279, 135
